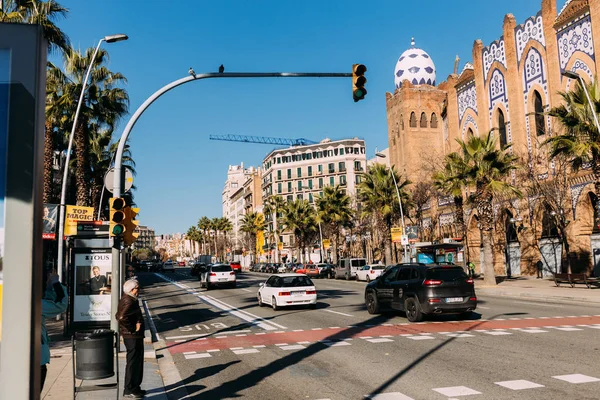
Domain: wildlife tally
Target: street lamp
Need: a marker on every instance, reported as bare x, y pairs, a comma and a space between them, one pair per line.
399, 203
63, 192
575, 75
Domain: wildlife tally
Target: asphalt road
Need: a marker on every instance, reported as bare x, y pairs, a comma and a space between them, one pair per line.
224, 346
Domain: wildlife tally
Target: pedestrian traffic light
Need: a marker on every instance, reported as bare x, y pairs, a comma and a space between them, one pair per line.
117, 216
130, 235
358, 82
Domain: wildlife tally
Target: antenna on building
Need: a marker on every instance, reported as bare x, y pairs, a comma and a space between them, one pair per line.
412, 42
456, 61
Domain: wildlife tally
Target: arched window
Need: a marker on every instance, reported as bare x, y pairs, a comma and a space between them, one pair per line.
433, 123
501, 128
510, 228
469, 132
401, 122
594, 202
423, 120
413, 120
540, 126
549, 228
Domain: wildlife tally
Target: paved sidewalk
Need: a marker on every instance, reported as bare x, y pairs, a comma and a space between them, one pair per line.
59, 381
527, 287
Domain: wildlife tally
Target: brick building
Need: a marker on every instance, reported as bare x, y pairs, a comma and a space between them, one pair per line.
504, 89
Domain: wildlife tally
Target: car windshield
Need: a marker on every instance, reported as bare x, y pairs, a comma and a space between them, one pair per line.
221, 268
296, 281
445, 274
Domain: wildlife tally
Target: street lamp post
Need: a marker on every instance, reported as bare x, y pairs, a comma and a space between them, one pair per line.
63, 192
400, 204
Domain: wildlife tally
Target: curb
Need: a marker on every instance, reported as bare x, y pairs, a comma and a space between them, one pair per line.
548, 299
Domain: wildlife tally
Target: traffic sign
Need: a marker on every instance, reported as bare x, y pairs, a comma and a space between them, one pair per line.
326, 243
404, 240
109, 180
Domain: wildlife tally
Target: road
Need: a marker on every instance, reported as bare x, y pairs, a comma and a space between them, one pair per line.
224, 346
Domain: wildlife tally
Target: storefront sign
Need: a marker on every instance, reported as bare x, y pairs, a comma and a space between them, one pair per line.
74, 214
93, 285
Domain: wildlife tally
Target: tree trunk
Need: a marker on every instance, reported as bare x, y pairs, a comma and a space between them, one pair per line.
486, 223
459, 215
95, 194
49, 144
83, 167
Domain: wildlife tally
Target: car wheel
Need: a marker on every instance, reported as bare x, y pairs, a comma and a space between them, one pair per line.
260, 303
372, 303
207, 285
274, 304
413, 310
368, 279
234, 285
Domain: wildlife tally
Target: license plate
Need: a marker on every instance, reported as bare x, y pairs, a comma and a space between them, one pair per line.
222, 279
454, 299
297, 293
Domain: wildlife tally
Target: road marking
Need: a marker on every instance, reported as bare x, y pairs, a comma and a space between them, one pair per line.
336, 344
420, 337
519, 384
238, 311
201, 335
379, 340
457, 335
247, 290
186, 336
389, 396
567, 329
292, 347
483, 308
455, 391
576, 378
497, 333
246, 351
199, 355
340, 313
533, 330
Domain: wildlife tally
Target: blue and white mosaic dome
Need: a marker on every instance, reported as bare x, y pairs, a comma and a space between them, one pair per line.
416, 66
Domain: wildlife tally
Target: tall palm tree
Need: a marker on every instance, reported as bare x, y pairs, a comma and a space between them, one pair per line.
252, 223
204, 225
449, 181
225, 226
214, 226
581, 141
104, 104
485, 167
334, 209
273, 206
300, 218
377, 194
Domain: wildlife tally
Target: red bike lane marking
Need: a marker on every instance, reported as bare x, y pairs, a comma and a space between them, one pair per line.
357, 332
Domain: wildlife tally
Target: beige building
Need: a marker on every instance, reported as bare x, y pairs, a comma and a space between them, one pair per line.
146, 240
506, 89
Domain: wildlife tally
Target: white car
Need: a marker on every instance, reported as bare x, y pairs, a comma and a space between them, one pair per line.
168, 266
287, 290
218, 275
369, 272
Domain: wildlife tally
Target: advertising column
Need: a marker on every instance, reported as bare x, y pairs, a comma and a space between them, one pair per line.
93, 284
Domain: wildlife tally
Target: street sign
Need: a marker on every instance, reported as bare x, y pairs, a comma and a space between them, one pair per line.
92, 228
396, 235
74, 214
404, 240
109, 180
326, 243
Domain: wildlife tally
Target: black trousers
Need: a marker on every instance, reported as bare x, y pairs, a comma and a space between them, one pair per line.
134, 371
44, 372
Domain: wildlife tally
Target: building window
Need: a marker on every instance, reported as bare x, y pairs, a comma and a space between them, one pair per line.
331, 168
299, 196
279, 188
310, 171
357, 166
289, 173
540, 126
279, 175
299, 185
290, 198
413, 120
469, 132
342, 166
549, 228
594, 202
433, 123
310, 198
357, 179
510, 228
310, 184
343, 180
501, 128
423, 120
278, 160
289, 187
332, 181
320, 183
320, 168
342, 151
299, 172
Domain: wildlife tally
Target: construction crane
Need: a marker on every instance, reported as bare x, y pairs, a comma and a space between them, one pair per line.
262, 140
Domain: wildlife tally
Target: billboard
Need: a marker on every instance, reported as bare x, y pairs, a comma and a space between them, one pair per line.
49, 221
74, 214
93, 284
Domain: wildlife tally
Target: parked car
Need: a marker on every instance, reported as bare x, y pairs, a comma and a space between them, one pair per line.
311, 271
218, 275
282, 269
327, 271
196, 268
168, 266
236, 266
369, 272
419, 289
181, 263
301, 268
347, 267
287, 290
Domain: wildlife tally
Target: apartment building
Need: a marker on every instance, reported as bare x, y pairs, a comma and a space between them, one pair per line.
146, 240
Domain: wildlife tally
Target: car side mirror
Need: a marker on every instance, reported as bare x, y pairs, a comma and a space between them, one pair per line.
261, 284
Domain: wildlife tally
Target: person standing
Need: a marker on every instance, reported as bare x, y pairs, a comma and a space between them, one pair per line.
540, 269
131, 326
54, 302
471, 269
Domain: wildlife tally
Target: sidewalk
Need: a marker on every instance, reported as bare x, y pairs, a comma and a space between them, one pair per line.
528, 287
59, 381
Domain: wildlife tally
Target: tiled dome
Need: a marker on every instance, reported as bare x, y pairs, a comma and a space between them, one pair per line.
416, 66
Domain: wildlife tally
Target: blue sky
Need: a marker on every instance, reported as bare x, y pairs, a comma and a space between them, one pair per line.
180, 172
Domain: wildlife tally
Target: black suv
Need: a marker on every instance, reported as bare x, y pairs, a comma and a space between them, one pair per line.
420, 289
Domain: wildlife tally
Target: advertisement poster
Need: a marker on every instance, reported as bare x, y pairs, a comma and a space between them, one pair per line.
92, 286
4, 79
74, 214
50, 219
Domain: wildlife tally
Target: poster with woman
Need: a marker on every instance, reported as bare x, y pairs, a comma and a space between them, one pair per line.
92, 285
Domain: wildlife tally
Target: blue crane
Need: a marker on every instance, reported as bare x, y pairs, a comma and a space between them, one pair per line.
262, 140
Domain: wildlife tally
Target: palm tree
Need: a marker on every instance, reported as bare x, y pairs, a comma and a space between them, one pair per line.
273, 206
252, 223
225, 226
193, 235
485, 167
204, 225
214, 226
104, 104
377, 194
581, 141
300, 218
449, 181
334, 209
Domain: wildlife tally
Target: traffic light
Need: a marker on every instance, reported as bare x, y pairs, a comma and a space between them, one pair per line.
358, 82
131, 224
117, 216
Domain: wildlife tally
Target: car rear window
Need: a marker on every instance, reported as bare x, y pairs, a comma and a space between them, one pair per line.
378, 267
358, 263
296, 281
445, 274
221, 268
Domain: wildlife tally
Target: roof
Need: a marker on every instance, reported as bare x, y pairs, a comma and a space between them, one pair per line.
288, 274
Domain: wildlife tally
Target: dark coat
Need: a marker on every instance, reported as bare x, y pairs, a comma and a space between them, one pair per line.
128, 315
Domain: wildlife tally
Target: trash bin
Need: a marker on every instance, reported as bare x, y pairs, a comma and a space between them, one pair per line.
95, 354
